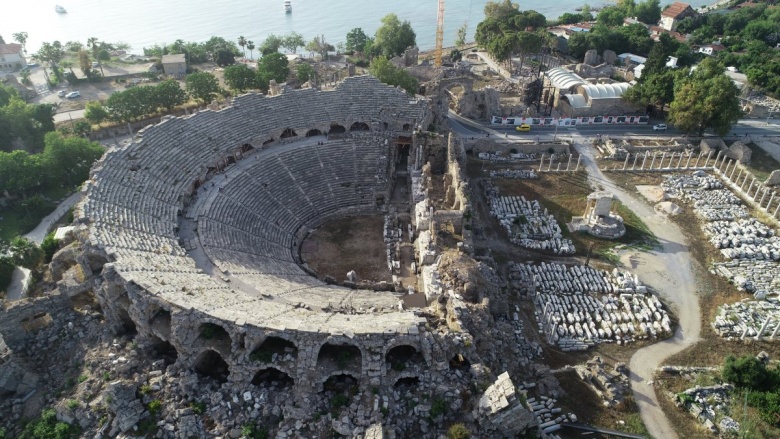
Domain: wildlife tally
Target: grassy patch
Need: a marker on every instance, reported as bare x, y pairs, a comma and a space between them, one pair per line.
761, 164
564, 196
16, 220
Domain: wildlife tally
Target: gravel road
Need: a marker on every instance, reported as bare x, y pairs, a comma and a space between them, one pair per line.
667, 270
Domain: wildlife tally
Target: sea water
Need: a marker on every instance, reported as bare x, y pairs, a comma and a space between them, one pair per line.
143, 23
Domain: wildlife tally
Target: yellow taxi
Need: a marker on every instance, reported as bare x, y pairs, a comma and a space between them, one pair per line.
523, 128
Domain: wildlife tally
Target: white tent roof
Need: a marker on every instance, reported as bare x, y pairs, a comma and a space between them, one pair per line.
606, 91
563, 78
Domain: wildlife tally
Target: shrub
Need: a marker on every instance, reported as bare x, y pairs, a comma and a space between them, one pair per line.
458, 431
73, 404
154, 407
252, 432
198, 407
339, 401
47, 427
438, 407
49, 245
749, 372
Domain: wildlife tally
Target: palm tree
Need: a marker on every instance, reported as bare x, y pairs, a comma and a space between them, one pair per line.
251, 46
242, 43
93, 44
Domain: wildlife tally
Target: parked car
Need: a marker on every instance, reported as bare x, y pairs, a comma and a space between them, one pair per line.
523, 128
73, 94
659, 127
61, 93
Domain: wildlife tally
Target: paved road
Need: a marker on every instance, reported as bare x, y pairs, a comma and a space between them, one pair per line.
668, 271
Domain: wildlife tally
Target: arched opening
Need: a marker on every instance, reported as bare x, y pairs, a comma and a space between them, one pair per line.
211, 365
337, 129
230, 160
126, 324
407, 383
359, 126
272, 378
287, 133
341, 383
340, 356
459, 362
407, 127
163, 350
246, 148
313, 132
274, 349
403, 357
269, 141
161, 323
215, 336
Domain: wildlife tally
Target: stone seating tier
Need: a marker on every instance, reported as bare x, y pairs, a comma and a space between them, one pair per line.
137, 192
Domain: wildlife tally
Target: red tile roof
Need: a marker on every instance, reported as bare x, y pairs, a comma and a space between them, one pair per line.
676, 9
10, 49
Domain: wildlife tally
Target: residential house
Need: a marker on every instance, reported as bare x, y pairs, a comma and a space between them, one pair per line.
712, 49
11, 57
674, 14
174, 65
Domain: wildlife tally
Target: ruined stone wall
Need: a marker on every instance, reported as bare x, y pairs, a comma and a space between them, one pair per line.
19, 321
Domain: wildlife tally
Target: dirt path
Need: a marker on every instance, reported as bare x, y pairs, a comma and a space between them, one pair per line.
667, 270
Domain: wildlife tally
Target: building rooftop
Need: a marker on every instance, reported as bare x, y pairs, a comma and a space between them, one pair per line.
10, 49
676, 9
175, 58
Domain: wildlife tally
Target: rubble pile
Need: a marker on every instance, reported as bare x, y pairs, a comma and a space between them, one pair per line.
749, 318
548, 416
511, 157
610, 385
757, 277
707, 404
578, 307
521, 174
527, 223
744, 239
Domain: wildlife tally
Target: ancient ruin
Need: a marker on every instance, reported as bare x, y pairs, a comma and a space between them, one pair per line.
600, 218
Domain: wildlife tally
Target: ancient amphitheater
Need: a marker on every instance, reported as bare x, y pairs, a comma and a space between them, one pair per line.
194, 229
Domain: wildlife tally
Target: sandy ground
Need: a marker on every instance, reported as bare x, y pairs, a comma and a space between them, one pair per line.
667, 270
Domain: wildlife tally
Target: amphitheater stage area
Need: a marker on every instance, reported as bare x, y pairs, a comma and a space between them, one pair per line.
344, 244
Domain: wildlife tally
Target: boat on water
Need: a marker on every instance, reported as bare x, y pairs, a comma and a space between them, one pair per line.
287, 6
60, 10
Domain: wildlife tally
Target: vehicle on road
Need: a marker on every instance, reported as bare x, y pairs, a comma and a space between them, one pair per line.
659, 127
523, 128
73, 94
61, 93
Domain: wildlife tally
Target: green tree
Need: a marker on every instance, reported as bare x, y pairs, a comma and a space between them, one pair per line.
748, 372
51, 53
169, 94
273, 66
47, 427
69, 158
95, 45
224, 57
611, 16
251, 46
394, 36
304, 72
242, 43
85, 63
202, 86
320, 46
95, 112
356, 40
6, 272
49, 245
25, 253
705, 99
21, 38
386, 72
293, 41
501, 11
271, 44
20, 172
240, 77
460, 40
648, 11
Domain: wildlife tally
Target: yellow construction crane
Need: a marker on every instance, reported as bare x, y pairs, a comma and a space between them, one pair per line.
439, 34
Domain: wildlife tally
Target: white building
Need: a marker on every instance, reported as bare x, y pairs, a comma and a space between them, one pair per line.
11, 57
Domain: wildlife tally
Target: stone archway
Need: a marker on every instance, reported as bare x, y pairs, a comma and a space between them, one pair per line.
163, 350
287, 133
274, 349
272, 377
403, 357
337, 129
313, 132
359, 126
210, 364
335, 356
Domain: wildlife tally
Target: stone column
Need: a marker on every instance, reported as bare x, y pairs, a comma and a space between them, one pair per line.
559, 167
776, 209
625, 162
717, 157
738, 175
636, 157
568, 163
770, 201
688, 162
742, 186
549, 165
732, 170
653, 162
579, 157
726, 171
698, 157
541, 163
772, 337
644, 160
763, 327
762, 197
706, 162
750, 188
663, 157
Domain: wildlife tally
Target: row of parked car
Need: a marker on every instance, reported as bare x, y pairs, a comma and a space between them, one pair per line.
71, 95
